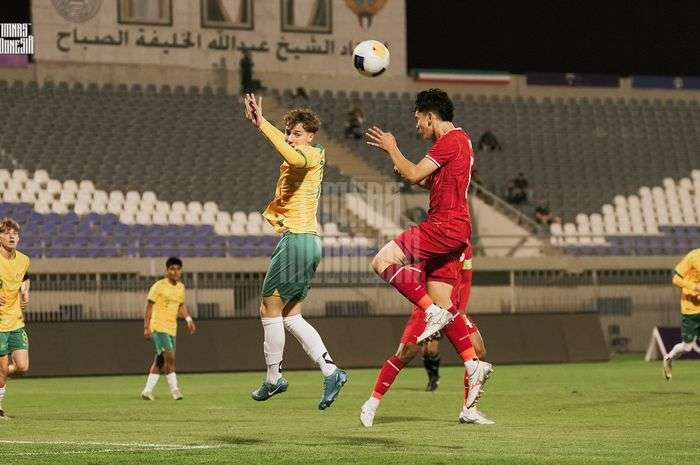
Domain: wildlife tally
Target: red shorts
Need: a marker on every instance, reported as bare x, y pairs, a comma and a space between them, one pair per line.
438, 246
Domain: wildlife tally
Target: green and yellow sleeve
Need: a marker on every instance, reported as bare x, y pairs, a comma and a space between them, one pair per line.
681, 271
293, 157
153, 293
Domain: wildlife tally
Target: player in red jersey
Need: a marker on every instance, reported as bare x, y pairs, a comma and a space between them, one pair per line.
439, 241
460, 298
409, 348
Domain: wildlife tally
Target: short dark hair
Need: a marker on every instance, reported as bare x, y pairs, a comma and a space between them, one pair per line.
308, 119
8, 223
173, 261
436, 101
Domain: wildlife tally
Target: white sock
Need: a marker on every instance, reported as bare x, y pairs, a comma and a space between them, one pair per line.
172, 380
151, 382
273, 347
372, 403
432, 311
2, 395
311, 341
679, 349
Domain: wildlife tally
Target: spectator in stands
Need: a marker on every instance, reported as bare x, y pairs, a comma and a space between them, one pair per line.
543, 214
248, 84
301, 93
353, 127
488, 142
517, 190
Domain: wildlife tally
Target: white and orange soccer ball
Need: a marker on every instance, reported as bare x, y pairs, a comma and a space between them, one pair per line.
370, 58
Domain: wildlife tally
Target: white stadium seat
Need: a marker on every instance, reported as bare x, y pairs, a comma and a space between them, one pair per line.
211, 207
41, 176
178, 207
194, 207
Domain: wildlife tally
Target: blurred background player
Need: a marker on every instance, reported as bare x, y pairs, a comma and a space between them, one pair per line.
294, 261
166, 300
14, 297
442, 238
409, 348
687, 277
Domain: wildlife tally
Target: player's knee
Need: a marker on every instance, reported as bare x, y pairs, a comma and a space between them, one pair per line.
408, 352
687, 346
21, 369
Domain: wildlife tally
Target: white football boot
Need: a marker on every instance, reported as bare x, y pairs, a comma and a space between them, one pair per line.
147, 395
435, 321
177, 395
473, 416
666, 366
478, 373
367, 414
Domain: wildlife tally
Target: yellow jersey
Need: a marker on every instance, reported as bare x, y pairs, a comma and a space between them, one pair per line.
687, 276
167, 299
298, 187
12, 274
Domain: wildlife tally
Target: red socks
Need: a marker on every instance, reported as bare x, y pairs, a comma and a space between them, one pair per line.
408, 281
387, 375
458, 334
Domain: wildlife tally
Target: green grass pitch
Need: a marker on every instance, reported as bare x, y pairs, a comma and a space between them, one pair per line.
601, 413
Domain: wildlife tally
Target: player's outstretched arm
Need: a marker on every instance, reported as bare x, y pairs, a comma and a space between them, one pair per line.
185, 314
253, 112
411, 172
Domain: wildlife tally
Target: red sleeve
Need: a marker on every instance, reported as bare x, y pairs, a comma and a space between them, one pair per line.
443, 150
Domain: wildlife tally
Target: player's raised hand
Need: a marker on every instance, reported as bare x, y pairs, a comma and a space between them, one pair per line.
253, 109
381, 139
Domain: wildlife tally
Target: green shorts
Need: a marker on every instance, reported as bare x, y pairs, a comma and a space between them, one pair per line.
163, 341
292, 266
13, 340
690, 327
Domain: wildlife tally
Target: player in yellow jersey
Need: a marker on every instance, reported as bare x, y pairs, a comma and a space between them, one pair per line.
293, 215
686, 275
14, 297
166, 300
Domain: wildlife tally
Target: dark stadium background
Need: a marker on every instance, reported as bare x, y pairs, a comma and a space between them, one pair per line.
617, 37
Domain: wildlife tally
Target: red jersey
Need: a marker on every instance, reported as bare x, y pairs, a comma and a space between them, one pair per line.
453, 155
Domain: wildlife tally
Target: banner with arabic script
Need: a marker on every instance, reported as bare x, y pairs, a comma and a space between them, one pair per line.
297, 36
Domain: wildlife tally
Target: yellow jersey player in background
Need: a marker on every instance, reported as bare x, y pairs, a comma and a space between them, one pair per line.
294, 261
14, 297
686, 275
166, 300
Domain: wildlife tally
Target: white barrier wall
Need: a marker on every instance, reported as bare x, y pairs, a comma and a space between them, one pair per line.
288, 36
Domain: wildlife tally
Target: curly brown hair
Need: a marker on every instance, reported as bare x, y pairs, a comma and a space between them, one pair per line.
308, 119
8, 223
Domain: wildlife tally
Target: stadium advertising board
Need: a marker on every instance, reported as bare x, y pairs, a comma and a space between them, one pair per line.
314, 36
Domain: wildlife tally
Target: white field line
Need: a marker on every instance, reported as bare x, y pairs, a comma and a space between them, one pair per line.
125, 447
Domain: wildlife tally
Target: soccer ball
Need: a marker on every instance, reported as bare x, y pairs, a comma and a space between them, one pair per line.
370, 58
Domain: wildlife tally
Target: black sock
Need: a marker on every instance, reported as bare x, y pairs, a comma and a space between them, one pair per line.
432, 366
